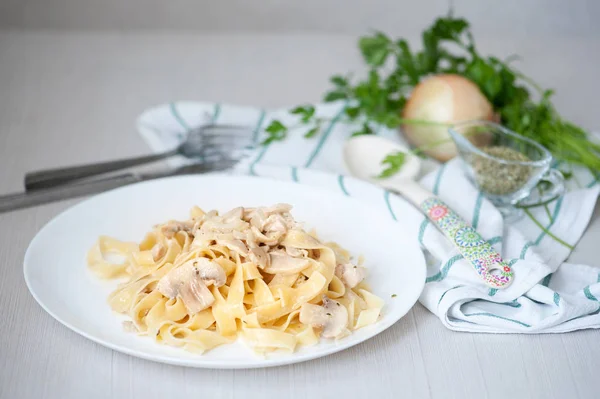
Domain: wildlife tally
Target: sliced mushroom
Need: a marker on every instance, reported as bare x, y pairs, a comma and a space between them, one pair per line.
235, 245
258, 219
282, 263
296, 253
270, 239
260, 257
332, 317
210, 272
173, 227
251, 239
351, 275
190, 280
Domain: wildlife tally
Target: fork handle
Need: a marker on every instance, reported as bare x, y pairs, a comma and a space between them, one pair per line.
53, 177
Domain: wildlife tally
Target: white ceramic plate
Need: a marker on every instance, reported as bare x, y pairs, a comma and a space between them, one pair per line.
57, 276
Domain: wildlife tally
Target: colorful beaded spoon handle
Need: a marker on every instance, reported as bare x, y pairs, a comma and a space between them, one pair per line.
363, 156
486, 261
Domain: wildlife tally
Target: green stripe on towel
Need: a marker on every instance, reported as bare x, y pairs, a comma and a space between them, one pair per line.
438, 179
324, 137
264, 148
449, 289
524, 250
554, 216
256, 130
477, 210
546, 280
386, 196
216, 113
545, 230
589, 295
177, 116
343, 185
498, 317
424, 224
444, 270
556, 298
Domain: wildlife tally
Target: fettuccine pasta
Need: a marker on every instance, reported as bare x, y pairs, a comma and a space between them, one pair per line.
251, 272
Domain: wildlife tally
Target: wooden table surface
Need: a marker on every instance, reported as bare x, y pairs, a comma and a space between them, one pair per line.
72, 97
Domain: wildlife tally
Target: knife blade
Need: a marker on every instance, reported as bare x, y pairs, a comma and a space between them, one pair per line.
11, 202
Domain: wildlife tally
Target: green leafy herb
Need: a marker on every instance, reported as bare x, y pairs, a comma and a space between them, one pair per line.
276, 131
375, 48
394, 295
306, 112
312, 132
365, 129
448, 47
394, 162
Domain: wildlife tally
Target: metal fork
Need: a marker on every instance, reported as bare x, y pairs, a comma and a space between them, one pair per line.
205, 141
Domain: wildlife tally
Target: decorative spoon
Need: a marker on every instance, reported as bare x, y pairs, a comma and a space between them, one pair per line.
363, 156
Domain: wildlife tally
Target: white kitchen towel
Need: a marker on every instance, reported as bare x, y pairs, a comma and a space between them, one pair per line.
547, 294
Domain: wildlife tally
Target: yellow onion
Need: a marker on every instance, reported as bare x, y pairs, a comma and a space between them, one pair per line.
446, 99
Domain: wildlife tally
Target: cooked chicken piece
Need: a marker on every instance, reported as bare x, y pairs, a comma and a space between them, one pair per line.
190, 280
251, 239
351, 275
282, 263
332, 317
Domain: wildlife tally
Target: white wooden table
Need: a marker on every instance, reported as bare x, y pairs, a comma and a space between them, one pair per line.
72, 98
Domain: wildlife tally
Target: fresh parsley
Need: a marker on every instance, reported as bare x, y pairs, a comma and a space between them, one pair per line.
276, 131
447, 47
394, 163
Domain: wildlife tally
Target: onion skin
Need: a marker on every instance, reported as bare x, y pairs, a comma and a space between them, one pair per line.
446, 99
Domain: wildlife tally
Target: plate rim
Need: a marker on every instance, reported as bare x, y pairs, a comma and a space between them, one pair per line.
213, 363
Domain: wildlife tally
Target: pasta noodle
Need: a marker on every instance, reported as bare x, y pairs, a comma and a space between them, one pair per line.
251, 272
